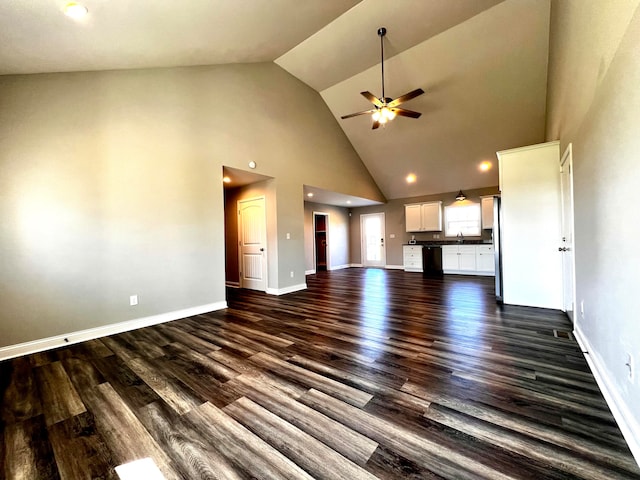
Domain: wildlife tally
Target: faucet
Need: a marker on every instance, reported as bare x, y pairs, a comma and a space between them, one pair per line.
460, 237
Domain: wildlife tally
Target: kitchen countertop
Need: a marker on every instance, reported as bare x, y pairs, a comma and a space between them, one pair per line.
439, 243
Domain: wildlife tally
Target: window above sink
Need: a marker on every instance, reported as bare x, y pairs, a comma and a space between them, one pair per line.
463, 219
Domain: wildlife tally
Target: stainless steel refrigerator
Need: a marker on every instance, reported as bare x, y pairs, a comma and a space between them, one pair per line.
497, 247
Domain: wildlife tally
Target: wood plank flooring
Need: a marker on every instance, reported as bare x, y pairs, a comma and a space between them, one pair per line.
367, 374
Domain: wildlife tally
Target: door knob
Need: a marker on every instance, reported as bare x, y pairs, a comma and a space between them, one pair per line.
562, 249
262, 249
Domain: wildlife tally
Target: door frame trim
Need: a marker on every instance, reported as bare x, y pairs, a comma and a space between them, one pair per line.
313, 224
568, 156
362, 242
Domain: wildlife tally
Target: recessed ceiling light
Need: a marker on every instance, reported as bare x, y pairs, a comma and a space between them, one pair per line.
485, 166
411, 178
309, 194
226, 179
75, 10
348, 202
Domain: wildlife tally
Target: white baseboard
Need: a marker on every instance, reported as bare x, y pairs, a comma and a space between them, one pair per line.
35, 346
629, 426
285, 290
469, 272
337, 267
388, 267
232, 284
340, 267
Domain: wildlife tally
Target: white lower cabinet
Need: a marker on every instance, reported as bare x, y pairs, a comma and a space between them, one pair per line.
450, 258
412, 258
468, 259
485, 259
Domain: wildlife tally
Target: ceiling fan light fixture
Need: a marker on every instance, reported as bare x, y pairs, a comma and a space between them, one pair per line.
387, 112
461, 196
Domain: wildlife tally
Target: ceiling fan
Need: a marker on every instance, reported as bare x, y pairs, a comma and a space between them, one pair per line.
385, 108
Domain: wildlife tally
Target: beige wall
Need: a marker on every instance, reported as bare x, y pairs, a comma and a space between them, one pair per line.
337, 239
111, 186
594, 104
395, 223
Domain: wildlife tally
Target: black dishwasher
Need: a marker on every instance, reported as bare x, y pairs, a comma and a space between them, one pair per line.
431, 261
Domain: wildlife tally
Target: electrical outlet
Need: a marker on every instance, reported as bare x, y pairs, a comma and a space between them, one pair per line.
288, 236
582, 308
291, 273
133, 300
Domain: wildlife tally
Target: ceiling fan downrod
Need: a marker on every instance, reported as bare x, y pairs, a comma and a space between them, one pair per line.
381, 33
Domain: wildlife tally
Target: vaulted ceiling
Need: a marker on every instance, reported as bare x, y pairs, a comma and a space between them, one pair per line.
482, 64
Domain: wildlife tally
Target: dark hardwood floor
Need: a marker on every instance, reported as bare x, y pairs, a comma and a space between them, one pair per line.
367, 374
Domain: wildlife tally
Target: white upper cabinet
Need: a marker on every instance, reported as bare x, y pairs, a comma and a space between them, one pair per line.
413, 216
432, 217
487, 212
423, 217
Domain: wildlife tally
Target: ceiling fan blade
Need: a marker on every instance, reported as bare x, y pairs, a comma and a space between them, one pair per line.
357, 113
372, 98
406, 113
375, 125
406, 97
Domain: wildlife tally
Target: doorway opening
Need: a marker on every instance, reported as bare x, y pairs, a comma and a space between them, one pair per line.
247, 196
320, 245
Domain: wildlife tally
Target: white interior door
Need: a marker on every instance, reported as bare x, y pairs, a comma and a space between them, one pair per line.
567, 247
252, 232
372, 236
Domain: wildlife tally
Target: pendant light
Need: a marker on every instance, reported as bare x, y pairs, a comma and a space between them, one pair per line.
461, 196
